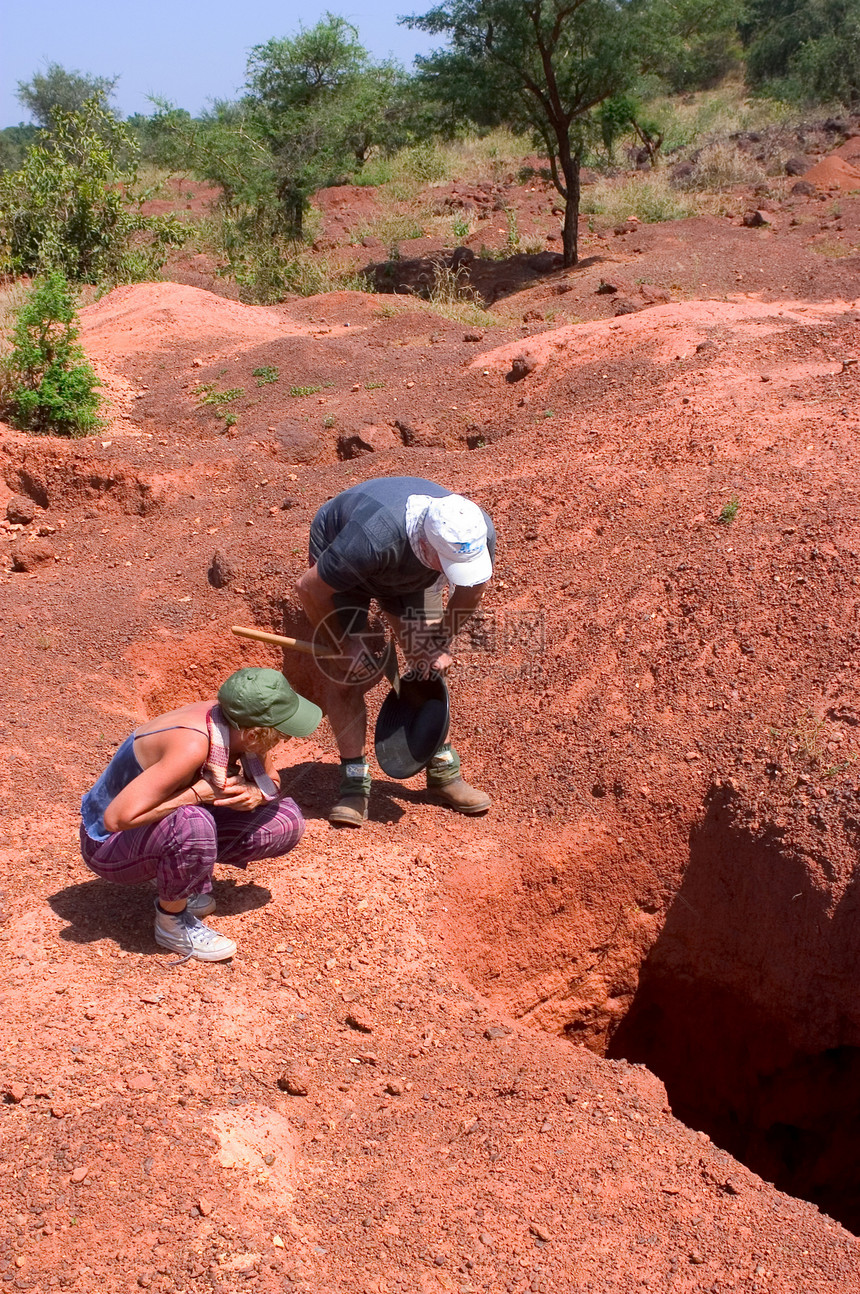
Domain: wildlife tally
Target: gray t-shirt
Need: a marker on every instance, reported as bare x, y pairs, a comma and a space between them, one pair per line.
359, 541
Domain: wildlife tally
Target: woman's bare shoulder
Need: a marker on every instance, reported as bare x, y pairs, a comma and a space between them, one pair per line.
186, 718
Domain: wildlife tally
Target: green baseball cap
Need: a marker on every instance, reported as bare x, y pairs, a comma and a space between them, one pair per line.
262, 698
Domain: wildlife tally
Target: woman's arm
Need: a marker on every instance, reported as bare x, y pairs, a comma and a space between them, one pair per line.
163, 787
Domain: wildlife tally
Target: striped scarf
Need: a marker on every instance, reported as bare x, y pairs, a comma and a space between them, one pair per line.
218, 759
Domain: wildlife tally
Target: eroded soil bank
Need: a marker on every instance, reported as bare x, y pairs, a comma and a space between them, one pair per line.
662, 704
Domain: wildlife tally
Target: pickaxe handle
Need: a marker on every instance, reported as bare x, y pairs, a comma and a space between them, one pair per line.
294, 644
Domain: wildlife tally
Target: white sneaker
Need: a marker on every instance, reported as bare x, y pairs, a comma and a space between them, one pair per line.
200, 905
182, 932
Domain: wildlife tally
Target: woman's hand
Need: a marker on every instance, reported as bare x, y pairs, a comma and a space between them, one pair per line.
238, 794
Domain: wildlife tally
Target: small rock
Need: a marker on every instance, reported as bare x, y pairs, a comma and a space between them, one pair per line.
30, 555
368, 1058
696, 1257
79, 1174
370, 440
221, 571
407, 431
653, 295
59, 1110
754, 219
624, 306
268, 1159
626, 227
140, 1083
605, 288
681, 172
300, 444
205, 1206
394, 1087
359, 1021
532, 316
293, 1082
477, 335
496, 1031
521, 366
16, 1092
803, 189
20, 510
796, 166
539, 1230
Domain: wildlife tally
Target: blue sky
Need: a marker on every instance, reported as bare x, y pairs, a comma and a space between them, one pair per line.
183, 50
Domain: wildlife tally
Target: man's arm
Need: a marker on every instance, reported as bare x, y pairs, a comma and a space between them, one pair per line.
462, 604
431, 645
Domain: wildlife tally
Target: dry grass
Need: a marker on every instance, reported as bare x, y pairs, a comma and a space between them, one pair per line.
722, 166
493, 158
649, 197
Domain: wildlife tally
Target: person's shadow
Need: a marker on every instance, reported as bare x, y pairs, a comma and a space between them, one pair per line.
98, 909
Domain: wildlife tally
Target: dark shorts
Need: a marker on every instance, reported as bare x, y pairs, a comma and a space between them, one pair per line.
353, 607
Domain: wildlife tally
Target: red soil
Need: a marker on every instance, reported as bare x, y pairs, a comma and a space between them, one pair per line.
667, 718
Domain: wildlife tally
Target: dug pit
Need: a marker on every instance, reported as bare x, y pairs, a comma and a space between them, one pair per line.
738, 989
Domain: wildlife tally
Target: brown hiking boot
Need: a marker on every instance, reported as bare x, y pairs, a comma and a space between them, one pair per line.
460, 796
350, 811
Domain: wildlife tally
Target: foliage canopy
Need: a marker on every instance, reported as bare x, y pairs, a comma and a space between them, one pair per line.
804, 49
74, 205
59, 88
547, 65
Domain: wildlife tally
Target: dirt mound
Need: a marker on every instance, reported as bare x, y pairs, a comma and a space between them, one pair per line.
145, 317
663, 333
834, 173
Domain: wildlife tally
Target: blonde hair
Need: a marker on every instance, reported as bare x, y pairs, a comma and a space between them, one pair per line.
258, 741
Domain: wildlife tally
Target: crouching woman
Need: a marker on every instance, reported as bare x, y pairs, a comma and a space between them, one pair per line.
190, 789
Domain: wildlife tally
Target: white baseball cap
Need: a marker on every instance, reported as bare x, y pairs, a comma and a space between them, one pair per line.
456, 530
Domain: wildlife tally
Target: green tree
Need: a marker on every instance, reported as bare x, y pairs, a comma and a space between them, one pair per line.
804, 49
547, 65
57, 87
14, 142
49, 385
74, 205
320, 104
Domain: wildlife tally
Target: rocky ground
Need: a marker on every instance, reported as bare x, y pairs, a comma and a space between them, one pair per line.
425, 1070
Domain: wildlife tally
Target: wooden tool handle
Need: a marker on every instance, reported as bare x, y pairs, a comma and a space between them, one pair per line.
294, 644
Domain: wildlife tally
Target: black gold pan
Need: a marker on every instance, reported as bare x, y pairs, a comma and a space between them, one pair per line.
412, 725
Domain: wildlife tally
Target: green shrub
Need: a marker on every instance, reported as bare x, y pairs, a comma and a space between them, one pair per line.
49, 386
74, 206
267, 267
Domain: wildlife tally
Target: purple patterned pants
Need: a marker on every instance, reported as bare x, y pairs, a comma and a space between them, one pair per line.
181, 850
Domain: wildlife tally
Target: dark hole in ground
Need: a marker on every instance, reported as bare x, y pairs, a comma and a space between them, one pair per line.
790, 1116
745, 1010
